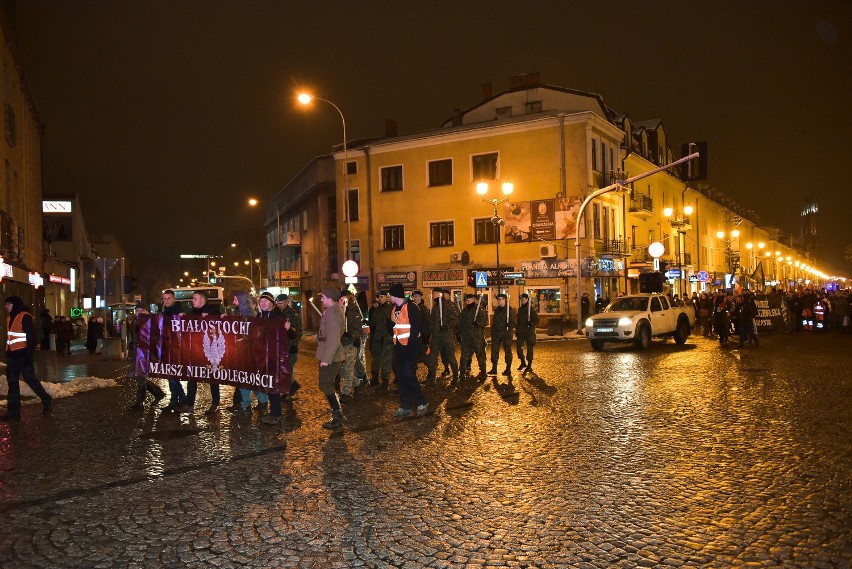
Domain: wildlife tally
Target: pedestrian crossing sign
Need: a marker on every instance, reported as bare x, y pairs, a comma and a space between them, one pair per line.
481, 279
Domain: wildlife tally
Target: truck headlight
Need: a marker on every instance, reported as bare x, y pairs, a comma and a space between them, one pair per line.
625, 321
590, 323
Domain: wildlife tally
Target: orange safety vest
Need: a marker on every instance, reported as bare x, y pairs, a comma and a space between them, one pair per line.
16, 338
402, 326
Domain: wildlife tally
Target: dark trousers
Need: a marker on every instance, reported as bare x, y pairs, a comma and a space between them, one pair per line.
192, 389
17, 367
527, 339
496, 343
144, 384
444, 344
177, 394
405, 369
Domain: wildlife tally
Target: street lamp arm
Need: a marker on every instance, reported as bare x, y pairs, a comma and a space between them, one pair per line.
616, 186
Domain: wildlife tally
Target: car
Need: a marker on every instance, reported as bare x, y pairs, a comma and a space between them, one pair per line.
637, 318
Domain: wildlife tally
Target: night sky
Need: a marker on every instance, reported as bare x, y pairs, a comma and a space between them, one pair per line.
164, 116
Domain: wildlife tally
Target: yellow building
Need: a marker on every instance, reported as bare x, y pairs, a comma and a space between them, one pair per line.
415, 214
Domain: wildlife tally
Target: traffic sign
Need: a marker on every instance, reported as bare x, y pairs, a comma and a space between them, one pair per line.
703, 276
481, 279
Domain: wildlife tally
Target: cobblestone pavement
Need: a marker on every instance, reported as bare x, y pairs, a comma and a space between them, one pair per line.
694, 456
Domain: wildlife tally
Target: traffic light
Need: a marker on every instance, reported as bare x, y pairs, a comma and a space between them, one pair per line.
211, 277
471, 278
664, 266
695, 169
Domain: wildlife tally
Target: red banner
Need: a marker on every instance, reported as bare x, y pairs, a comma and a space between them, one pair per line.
234, 350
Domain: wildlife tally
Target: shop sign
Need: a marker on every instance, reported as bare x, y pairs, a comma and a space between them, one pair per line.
55, 206
36, 280
288, 275
58, 279
291, 284
444, 277
5, 270
549, 268
407, 280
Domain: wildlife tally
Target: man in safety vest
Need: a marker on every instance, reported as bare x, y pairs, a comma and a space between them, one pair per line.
407, 342
20, 345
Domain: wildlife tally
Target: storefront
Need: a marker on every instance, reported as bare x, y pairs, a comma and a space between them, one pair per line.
16, 280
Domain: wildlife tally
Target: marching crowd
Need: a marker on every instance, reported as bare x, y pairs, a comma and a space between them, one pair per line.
402, 332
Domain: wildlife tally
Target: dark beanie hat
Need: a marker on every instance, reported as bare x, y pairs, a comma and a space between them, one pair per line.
332, 293
397, 291
268, 296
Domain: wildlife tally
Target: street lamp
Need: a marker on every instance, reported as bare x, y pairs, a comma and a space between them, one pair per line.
306, 99
680, 222
253, 202
250, 264
728, 238
482, 189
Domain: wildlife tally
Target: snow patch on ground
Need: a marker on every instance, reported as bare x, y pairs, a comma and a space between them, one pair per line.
59, 390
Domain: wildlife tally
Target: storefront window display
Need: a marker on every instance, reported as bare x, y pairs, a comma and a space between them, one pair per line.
546, 300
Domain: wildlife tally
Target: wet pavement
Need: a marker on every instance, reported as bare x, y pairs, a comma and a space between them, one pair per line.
693, 456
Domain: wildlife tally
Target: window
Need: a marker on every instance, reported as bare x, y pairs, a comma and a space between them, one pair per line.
655, 304
333, 265
596, 208
392, 178
545, 300
504, 112
441, 172
532, 107
483, 166
353, 204
351, 168
594, 155
606, 223
393, 237
483, 231
441, 234
356, 251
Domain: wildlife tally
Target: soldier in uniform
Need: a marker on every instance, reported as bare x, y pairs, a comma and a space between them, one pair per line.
504, 321
381, 341
527, 322
472, 323
443, 322
350, 342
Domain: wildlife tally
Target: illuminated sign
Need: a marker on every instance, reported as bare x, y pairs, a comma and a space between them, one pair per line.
36, 280
75, 312
5, 270
60, 280
87, 303
72, 274
55, 207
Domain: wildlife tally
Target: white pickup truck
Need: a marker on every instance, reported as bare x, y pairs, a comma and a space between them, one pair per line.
639, 317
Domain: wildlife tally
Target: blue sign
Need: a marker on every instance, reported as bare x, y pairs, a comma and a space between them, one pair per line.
673, 273
703, 276
481, 279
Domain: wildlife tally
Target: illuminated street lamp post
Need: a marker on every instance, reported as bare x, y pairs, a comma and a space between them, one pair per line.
482, 189
306, 99
679, 222
728, 238
251, 263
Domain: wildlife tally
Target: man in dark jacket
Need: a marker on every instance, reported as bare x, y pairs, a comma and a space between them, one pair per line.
201, 307
177, 397
527, 322
20, 345
406, 333
502, 328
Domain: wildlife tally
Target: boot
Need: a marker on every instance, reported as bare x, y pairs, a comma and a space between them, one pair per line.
522, 365
337, 419
529, 367
493, 370
294, 387
508, 371
445, 373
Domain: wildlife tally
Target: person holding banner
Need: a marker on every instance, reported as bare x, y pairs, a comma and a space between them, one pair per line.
177, 396
201, 307
329, 353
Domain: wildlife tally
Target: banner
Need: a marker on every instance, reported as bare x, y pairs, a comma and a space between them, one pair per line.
232, 350
772, 314
541, 220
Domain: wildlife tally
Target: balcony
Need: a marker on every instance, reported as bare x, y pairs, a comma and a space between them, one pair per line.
612, 248
640, 255
642, 205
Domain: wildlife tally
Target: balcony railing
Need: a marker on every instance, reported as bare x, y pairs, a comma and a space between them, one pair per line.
613, 248
640, 203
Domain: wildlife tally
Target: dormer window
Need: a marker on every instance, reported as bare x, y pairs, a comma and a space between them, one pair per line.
532, 107
504, 112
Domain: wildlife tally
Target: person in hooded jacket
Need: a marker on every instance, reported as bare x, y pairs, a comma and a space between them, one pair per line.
243, 306
20, 345
266, 303
293, 326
